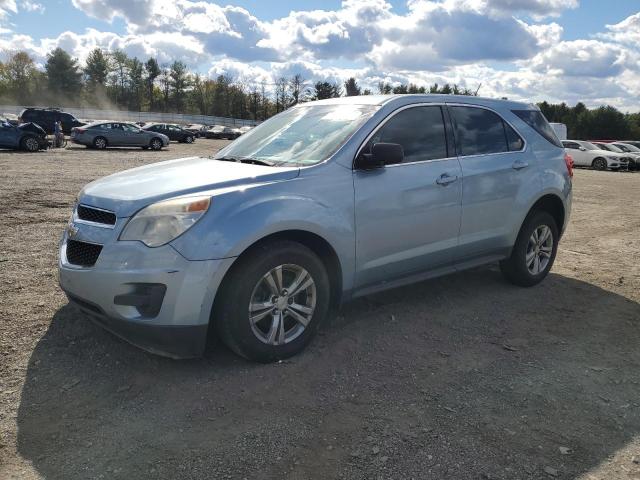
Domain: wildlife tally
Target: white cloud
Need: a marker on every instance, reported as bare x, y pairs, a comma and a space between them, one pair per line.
511, 47
31, 6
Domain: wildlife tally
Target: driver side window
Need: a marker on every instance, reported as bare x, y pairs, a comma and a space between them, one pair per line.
419, 130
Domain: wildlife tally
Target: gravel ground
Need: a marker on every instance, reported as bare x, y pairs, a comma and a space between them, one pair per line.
463, 377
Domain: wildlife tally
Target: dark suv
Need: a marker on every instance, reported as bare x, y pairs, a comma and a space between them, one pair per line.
46, 118
174, 132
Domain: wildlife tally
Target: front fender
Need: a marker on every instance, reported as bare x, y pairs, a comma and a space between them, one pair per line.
321, 204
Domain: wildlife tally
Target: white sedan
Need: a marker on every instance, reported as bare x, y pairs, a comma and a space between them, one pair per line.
586, 154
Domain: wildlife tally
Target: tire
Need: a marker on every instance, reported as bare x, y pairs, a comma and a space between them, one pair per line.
518, 268
30, 144
155, 144
248, 284
100, 143
599, 164
188, 139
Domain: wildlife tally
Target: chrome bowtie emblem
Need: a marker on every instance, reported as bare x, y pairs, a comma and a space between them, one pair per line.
72, 230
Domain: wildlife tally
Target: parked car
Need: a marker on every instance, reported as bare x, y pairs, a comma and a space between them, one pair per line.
631, 142
197, 129
634, 159
633, 151
26, 136
117, 134
47, 117
10, 118
324, 202
245, 129
586, 154
222, 132
174, 132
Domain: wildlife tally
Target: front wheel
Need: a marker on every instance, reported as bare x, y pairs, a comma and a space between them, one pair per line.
189, 139
534, 251
156, 144
273, 302
30, 144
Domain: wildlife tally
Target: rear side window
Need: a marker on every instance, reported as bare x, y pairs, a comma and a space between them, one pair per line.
535, 119
420, 131
481, 132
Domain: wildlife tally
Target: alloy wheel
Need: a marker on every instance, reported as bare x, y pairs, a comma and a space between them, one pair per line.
31, 144
282, 304
539, 250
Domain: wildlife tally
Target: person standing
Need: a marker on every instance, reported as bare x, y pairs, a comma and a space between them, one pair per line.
58, 134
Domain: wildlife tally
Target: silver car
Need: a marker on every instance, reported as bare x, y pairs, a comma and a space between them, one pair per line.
102, 135
325, 202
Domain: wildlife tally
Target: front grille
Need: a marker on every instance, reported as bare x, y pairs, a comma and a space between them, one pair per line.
95, 215
82, 253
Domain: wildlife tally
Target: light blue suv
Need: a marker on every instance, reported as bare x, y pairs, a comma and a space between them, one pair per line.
322, 203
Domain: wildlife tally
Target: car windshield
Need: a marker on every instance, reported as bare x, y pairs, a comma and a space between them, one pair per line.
627, 147
609, 147
302, 135
590, 146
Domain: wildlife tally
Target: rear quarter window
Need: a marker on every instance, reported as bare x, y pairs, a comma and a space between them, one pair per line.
535, 119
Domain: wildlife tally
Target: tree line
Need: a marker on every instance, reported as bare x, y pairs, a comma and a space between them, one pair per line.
113, 79
603, 123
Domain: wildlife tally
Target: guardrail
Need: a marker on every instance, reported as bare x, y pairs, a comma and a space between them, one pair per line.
127, 116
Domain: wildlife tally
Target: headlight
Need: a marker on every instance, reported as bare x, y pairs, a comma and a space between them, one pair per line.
161, 222
615, 159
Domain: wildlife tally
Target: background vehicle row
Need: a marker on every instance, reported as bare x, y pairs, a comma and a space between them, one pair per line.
117, 134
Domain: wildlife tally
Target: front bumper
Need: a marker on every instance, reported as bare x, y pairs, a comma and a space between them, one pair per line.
177, 325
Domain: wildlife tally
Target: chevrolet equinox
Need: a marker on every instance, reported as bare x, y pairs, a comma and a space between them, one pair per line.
327, 201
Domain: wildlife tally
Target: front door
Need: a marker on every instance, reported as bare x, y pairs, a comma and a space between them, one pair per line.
407, 215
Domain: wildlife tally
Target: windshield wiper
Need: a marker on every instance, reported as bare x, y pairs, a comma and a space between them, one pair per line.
253, 161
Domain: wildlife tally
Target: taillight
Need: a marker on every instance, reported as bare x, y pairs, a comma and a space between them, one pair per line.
78, 130
569, 163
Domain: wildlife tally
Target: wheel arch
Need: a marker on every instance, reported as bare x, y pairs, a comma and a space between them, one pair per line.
552, 204
314, 242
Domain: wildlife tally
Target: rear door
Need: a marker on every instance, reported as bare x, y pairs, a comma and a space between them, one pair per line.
408, 215
115, 135
496, 170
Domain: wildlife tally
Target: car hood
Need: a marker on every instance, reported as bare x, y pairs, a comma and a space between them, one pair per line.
127, 192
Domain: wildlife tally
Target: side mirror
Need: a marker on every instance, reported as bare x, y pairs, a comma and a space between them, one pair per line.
582, 149
381, 154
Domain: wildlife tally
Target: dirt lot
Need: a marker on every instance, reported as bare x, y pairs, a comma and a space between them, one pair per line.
464, 377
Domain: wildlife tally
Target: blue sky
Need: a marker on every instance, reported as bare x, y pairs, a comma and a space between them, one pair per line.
560, 50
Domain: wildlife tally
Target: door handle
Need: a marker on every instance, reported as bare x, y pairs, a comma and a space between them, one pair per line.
519, 165
445, 179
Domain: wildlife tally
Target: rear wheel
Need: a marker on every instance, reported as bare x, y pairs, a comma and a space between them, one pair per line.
156, 144
534, 251
30, 144
599, 164
273, 301
100, 143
